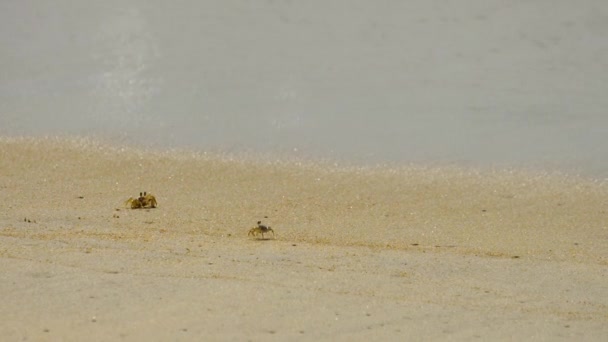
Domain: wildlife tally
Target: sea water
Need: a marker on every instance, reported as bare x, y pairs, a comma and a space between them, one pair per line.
468, 83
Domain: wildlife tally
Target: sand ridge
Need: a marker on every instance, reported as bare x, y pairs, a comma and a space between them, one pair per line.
465, 210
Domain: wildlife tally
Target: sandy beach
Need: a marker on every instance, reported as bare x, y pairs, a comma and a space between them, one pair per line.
408, 253
485, 219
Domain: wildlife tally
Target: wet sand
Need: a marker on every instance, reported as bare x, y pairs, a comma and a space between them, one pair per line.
390, 253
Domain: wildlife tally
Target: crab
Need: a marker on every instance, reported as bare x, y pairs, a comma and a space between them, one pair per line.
144, 200
260, 229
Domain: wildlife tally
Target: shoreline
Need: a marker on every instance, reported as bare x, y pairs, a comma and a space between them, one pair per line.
300, 159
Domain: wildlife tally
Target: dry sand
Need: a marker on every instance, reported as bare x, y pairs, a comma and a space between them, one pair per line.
385, 253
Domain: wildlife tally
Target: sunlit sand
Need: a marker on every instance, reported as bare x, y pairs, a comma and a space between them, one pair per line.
389, 253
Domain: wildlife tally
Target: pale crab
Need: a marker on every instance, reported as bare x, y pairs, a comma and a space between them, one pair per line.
144, 200
260, 229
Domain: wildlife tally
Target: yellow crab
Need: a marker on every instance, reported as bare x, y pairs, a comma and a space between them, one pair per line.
144, 200
260, 229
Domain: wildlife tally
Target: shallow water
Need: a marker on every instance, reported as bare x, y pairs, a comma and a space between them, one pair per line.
490, 83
